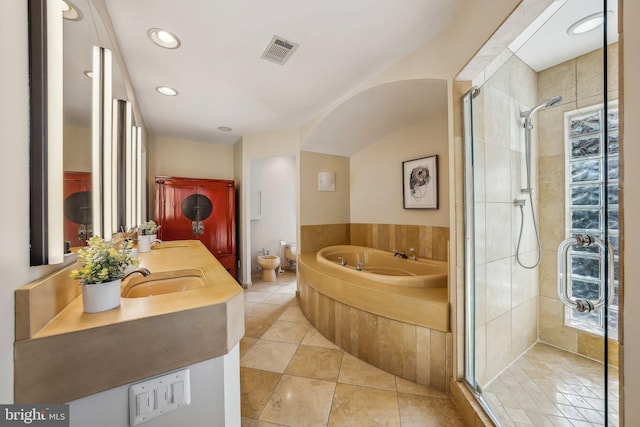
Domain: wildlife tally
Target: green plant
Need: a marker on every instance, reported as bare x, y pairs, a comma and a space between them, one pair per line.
148, 227
101, 262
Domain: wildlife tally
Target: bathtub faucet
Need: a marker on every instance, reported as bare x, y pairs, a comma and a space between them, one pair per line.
399, 254
341, 260
359, 266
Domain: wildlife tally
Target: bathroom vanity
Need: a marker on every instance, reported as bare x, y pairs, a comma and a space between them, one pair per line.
63, 354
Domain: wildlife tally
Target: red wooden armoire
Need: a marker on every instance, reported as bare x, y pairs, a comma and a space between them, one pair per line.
202, 209
77, 208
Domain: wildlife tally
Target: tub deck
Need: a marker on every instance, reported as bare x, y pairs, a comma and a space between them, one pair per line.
420, 306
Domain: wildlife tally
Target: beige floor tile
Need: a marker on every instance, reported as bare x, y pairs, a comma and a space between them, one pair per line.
316, 362
304, 395
299, 402
261, 423
289, 288
362, 406
267, 311
269, 356
421, 411
283, 331
245, 344
293, 314
255, 389
256, 296
355, 371
315, 338
409, 387
280, 299
538, 419
270, 287
559, 421
255, 327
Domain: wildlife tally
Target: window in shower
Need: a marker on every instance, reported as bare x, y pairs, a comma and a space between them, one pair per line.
585, 204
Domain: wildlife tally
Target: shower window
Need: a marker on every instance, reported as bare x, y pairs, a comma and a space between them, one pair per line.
585, 204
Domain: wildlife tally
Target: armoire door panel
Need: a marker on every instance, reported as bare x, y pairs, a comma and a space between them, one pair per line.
77, 208
203, 209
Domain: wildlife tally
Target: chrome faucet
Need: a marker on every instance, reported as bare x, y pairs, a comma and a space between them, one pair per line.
359, 266
140, 270
399, 254
341, 260
412, 251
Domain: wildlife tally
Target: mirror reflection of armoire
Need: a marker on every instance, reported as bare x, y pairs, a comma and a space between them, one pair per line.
202, 209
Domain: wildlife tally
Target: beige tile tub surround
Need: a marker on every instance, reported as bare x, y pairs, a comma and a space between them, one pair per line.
407, 336
77, 354
428, 241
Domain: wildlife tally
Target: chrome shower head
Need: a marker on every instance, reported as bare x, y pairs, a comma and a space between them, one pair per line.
544, 104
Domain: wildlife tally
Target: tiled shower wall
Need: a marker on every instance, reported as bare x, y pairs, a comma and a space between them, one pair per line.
579, 82
506, 298
428, 241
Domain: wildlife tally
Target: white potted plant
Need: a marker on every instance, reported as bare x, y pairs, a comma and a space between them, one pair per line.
102, 269
147, 235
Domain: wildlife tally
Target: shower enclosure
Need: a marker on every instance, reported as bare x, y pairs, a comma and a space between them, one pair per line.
541, 224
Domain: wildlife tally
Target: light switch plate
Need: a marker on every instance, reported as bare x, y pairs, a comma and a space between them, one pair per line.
157, 396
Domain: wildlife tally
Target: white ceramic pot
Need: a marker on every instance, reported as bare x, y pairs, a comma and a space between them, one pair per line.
101, 296
145, 241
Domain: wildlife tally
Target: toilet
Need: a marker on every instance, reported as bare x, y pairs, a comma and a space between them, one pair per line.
291, 254
268, 263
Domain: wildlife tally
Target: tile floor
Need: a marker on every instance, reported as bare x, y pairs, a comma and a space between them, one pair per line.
290, 375
551, 387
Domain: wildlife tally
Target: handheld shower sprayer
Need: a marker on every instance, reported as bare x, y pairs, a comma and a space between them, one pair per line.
528, 115
528, 126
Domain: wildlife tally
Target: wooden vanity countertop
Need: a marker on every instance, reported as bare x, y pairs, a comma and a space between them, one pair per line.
75, 354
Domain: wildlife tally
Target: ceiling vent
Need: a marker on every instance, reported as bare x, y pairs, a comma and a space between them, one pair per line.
279, 50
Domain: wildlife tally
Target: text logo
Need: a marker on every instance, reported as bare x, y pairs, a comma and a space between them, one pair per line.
34, 415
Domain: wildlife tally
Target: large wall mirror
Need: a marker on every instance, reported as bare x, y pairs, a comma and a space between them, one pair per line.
63, 178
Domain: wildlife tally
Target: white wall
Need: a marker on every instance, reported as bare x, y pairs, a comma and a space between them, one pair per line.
77, 149
188, 159
276, 178
323, 207
631, 191
376, 175
215, 400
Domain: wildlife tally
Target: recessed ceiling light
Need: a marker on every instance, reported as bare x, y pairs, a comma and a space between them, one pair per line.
164, 38
166, 90
224, 128
70, 11
586, 24
88, 73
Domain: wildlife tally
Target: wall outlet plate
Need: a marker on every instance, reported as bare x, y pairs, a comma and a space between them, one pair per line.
157, 396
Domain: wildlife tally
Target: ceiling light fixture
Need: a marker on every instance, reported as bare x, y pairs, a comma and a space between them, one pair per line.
70, 11
224, 128
164, 38
586, 24
166, 90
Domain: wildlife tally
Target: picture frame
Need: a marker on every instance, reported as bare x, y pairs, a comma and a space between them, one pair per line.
420, 183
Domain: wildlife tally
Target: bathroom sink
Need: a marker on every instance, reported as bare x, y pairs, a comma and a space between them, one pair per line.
165, 282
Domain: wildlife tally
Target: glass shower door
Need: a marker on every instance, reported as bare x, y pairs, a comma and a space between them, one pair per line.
545, 191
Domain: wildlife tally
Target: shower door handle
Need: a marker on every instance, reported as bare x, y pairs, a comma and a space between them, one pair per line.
564, 278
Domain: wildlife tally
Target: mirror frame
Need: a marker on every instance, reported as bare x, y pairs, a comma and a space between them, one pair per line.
45, 126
